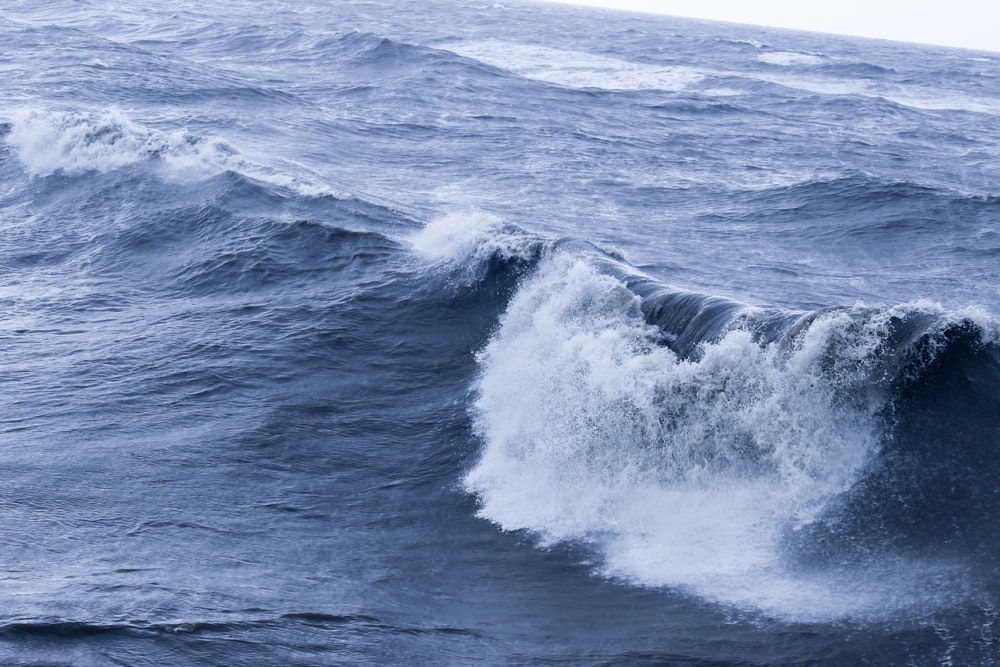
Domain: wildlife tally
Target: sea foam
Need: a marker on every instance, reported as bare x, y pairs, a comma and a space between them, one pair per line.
465, 243
683, 472
77, 142
577, 69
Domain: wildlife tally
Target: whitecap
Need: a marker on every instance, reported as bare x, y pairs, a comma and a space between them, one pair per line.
788, 59
576, 69
76, 142
686, 473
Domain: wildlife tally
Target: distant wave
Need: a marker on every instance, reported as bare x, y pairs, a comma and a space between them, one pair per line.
72, 143
789, 59
189, 215
864, 80
575, 69
863, 206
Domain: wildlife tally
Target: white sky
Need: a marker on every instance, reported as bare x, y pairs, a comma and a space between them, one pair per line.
971, 24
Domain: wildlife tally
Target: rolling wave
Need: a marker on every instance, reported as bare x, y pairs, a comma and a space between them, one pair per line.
709, 446
575, 69
73, 143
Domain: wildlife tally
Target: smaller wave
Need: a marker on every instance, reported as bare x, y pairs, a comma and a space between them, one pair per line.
862, 80
937, 100
865, 206
371, 58
741, 42
74, 143
790, 59
76, 629
283, 253
846, 191
468, 243
81, 630
65, 629
380, 51
853, 69
272, 41
577, 69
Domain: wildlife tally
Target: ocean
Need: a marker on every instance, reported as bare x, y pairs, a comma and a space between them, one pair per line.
459, 333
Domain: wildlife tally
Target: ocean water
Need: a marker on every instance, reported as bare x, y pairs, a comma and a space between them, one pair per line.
452, 332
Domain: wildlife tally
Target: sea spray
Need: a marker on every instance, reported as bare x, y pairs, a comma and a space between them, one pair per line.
684, 472
74, 143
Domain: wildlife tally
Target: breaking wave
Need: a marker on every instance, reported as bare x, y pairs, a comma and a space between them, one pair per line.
73, 143
701, 444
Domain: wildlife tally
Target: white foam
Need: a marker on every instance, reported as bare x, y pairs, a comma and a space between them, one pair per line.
684, 473
470, 237
76, 142
576, 69
937, 100
904, 95
789, 59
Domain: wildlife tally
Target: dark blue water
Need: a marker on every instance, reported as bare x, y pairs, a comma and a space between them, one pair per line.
467, 333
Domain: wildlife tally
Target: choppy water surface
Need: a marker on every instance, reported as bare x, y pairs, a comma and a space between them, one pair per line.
451, 333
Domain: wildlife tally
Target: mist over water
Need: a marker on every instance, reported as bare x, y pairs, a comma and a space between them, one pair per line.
458, 333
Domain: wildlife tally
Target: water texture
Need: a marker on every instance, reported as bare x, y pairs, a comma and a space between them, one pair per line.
465, 333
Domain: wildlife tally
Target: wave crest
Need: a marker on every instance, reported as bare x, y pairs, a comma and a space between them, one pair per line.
73, 143
686, 469
577, 69
471, 243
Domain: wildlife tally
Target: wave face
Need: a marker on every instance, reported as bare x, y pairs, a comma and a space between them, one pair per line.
694, 463
491, 333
